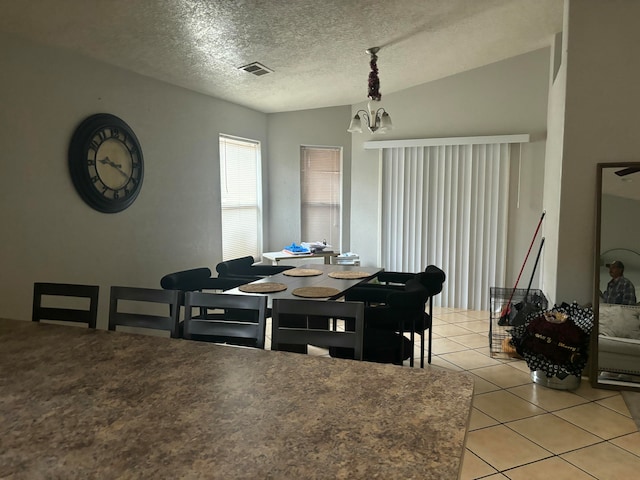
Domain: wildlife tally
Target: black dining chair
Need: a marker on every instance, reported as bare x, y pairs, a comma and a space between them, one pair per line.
136, 307
244, 269
405, 307
67, 313
386, 282
198, 280
233, 319
296, 322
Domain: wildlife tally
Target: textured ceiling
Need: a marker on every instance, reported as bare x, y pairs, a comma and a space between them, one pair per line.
314, 47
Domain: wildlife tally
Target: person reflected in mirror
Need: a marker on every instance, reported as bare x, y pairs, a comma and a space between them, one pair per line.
619, 289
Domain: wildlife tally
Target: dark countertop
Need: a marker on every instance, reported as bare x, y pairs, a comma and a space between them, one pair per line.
81, 403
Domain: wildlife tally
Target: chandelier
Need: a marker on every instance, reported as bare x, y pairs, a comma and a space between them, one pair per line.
378, 120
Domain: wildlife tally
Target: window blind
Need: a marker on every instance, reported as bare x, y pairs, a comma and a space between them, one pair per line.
447, 206
321, 187
240, 197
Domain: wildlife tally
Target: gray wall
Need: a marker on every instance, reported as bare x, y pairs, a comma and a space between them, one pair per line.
619, 226
599, 123
509, 97
619, 231
48, 232
287, 132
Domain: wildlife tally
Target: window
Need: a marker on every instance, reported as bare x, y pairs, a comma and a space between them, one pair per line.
321, 188
240, 192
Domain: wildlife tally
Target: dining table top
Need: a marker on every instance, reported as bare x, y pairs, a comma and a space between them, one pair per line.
323, 279
84, 403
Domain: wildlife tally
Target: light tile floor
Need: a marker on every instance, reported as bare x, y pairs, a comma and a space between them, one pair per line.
522, 431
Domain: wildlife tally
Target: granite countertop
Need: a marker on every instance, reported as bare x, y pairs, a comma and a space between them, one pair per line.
82, 403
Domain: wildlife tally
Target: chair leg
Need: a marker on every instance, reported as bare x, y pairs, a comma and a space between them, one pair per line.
401, 342
430, 327
422, 350
413, 340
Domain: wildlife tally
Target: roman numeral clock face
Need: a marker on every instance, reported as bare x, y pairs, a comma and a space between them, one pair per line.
105, 161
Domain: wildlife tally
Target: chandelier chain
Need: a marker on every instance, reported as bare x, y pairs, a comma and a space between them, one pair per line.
374, 80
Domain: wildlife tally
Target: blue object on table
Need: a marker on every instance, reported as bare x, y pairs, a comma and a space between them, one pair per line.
293, 248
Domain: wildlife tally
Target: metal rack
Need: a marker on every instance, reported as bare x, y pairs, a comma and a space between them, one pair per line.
499, 300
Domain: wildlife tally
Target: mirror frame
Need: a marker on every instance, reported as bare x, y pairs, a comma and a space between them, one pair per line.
593, 350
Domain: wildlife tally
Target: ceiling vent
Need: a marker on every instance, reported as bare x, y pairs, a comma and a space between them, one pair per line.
256, 68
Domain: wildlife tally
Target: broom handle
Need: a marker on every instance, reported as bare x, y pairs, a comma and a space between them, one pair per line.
535, 265
525, 258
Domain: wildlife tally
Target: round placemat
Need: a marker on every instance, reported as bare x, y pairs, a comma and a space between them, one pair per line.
266, 287
349, 275
315, 292
302, 272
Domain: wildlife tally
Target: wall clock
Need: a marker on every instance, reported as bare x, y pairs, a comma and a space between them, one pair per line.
105, 161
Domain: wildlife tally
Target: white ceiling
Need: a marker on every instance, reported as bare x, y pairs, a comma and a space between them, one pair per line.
314, 47
626, 187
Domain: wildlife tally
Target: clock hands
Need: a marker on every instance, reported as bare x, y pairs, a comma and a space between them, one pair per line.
106, 161
117, 166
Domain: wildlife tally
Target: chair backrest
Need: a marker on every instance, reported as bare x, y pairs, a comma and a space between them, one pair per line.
290, 324
235, 266
198, 279
237, 318
432, 278
142, 297
186, 280
67, 314
244, 268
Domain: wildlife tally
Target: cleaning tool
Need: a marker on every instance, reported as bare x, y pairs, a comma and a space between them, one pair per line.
506, 311
524, 307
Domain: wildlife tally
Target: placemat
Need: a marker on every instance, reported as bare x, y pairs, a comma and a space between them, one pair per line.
315, 292
302, 272
349, 275
266, 287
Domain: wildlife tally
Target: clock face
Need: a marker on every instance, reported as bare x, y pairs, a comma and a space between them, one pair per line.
106, 163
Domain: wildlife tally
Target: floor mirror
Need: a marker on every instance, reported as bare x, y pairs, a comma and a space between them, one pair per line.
615, 342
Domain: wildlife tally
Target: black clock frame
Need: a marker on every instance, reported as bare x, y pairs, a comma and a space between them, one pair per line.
82, 142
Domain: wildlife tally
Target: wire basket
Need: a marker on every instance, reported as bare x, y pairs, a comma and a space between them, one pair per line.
499, 333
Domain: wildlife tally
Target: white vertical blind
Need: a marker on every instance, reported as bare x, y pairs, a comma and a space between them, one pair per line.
321, 187
240, 183
447, 205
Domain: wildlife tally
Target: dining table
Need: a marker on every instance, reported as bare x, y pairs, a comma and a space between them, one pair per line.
319, 277
79, 403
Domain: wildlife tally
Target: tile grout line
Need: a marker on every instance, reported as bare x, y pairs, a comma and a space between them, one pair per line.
546, 412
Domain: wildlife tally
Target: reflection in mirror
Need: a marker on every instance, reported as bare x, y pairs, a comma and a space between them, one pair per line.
616, 345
